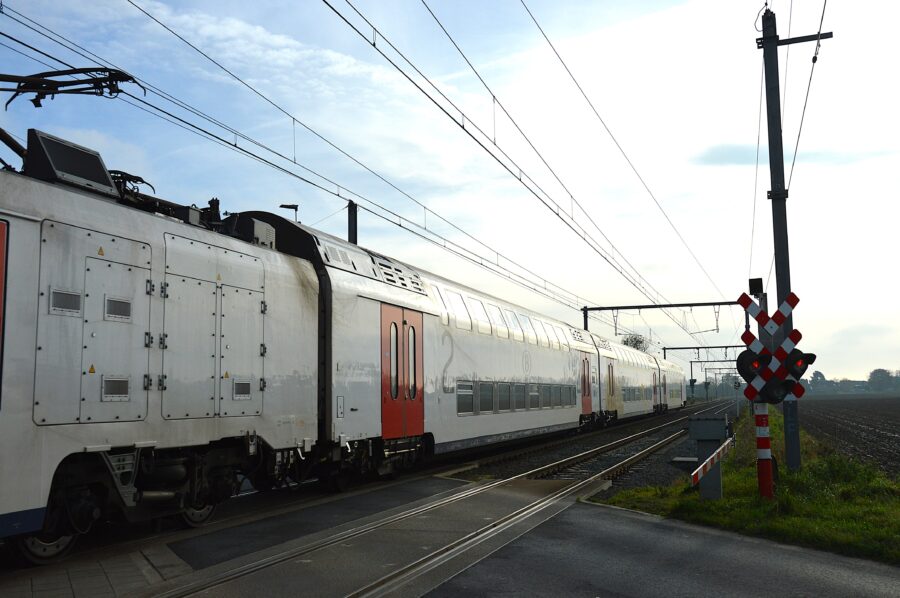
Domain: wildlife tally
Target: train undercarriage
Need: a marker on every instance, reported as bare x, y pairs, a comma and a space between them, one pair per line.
135, 485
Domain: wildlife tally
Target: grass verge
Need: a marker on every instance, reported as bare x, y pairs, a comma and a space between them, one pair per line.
834, 503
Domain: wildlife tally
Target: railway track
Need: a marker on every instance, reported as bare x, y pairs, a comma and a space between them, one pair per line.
577, 479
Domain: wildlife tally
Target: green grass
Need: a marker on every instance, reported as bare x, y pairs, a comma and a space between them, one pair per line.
833, 503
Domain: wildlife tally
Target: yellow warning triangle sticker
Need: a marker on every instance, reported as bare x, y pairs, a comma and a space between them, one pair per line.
225, 376
100, 251
219, 277
92, 370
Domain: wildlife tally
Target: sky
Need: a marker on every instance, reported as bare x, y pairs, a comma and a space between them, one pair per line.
677, 86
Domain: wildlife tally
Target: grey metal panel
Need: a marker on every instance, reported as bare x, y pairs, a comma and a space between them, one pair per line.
189, 357
205, 261
241, 345
65, 253
114, 349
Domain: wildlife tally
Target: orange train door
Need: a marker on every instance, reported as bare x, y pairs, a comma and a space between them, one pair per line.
585, 385
402, 405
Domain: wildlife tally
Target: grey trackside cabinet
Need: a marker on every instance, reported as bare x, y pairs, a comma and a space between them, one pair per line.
710, 431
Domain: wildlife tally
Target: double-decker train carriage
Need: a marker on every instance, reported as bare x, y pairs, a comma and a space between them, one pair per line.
153, 354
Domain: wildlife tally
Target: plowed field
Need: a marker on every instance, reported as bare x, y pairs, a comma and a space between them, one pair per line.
863, 427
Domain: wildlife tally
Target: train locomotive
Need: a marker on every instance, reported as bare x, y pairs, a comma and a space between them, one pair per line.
154, 354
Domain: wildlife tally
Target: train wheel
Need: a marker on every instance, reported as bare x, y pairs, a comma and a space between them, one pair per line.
197, 516
44, 549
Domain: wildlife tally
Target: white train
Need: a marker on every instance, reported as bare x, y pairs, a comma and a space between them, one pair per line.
152, 353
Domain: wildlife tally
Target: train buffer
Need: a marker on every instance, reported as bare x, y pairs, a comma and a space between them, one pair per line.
713, 435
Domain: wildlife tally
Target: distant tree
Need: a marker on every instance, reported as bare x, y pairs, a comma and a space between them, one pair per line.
635, 341
817, 381
880, 380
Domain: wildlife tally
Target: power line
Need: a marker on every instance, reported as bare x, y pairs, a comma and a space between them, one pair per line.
296, 120
506, 161
497, 102
756, 171
573, 301
812, 69
622, 151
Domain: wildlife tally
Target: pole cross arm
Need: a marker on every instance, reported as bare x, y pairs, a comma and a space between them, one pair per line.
91, 81
797, 40
660, 306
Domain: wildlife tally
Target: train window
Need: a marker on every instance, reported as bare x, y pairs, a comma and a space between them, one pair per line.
445, 313
118, 310
562, 337
503, 397
411, 361
480, 316
485, 397
65, 303
534, 399
543, 340
573, 398
555, 394
497, 321
465, 400
458, 306
514, 327
519, 396
530, 334
610, 381
393, 360
545, 396
665, 386
551, 334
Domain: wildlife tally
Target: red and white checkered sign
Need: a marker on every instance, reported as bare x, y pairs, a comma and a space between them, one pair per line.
776, 366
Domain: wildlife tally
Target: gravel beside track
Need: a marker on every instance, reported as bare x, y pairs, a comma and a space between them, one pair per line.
866, 428
572, 446
610, 458
655, 470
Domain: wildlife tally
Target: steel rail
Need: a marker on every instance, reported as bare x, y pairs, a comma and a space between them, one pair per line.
238, 572
400, 577
528, 450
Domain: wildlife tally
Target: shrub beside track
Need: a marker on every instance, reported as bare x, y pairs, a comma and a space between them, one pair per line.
834, 503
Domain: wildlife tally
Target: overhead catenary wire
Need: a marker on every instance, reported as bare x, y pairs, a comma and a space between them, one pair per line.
377, 210
622, 151
485, 142
756, 169
812, 69
496, 102
295, 120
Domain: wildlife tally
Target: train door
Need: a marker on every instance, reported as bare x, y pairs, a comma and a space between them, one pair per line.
656, 405
402, 395
585, 385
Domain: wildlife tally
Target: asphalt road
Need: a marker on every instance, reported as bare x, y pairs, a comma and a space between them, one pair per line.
591, 550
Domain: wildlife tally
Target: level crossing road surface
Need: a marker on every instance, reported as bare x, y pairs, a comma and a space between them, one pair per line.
594, 550
573, 549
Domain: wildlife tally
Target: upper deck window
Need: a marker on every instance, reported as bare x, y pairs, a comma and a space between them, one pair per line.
480, 315
514, 327
460, 312
497, 321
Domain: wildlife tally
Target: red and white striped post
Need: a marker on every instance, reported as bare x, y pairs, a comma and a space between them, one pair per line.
763, 451
777, 369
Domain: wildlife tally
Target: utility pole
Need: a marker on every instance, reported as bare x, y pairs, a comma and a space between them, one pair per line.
769, 43
351, 221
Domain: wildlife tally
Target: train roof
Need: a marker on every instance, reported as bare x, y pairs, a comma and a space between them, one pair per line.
350, 266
